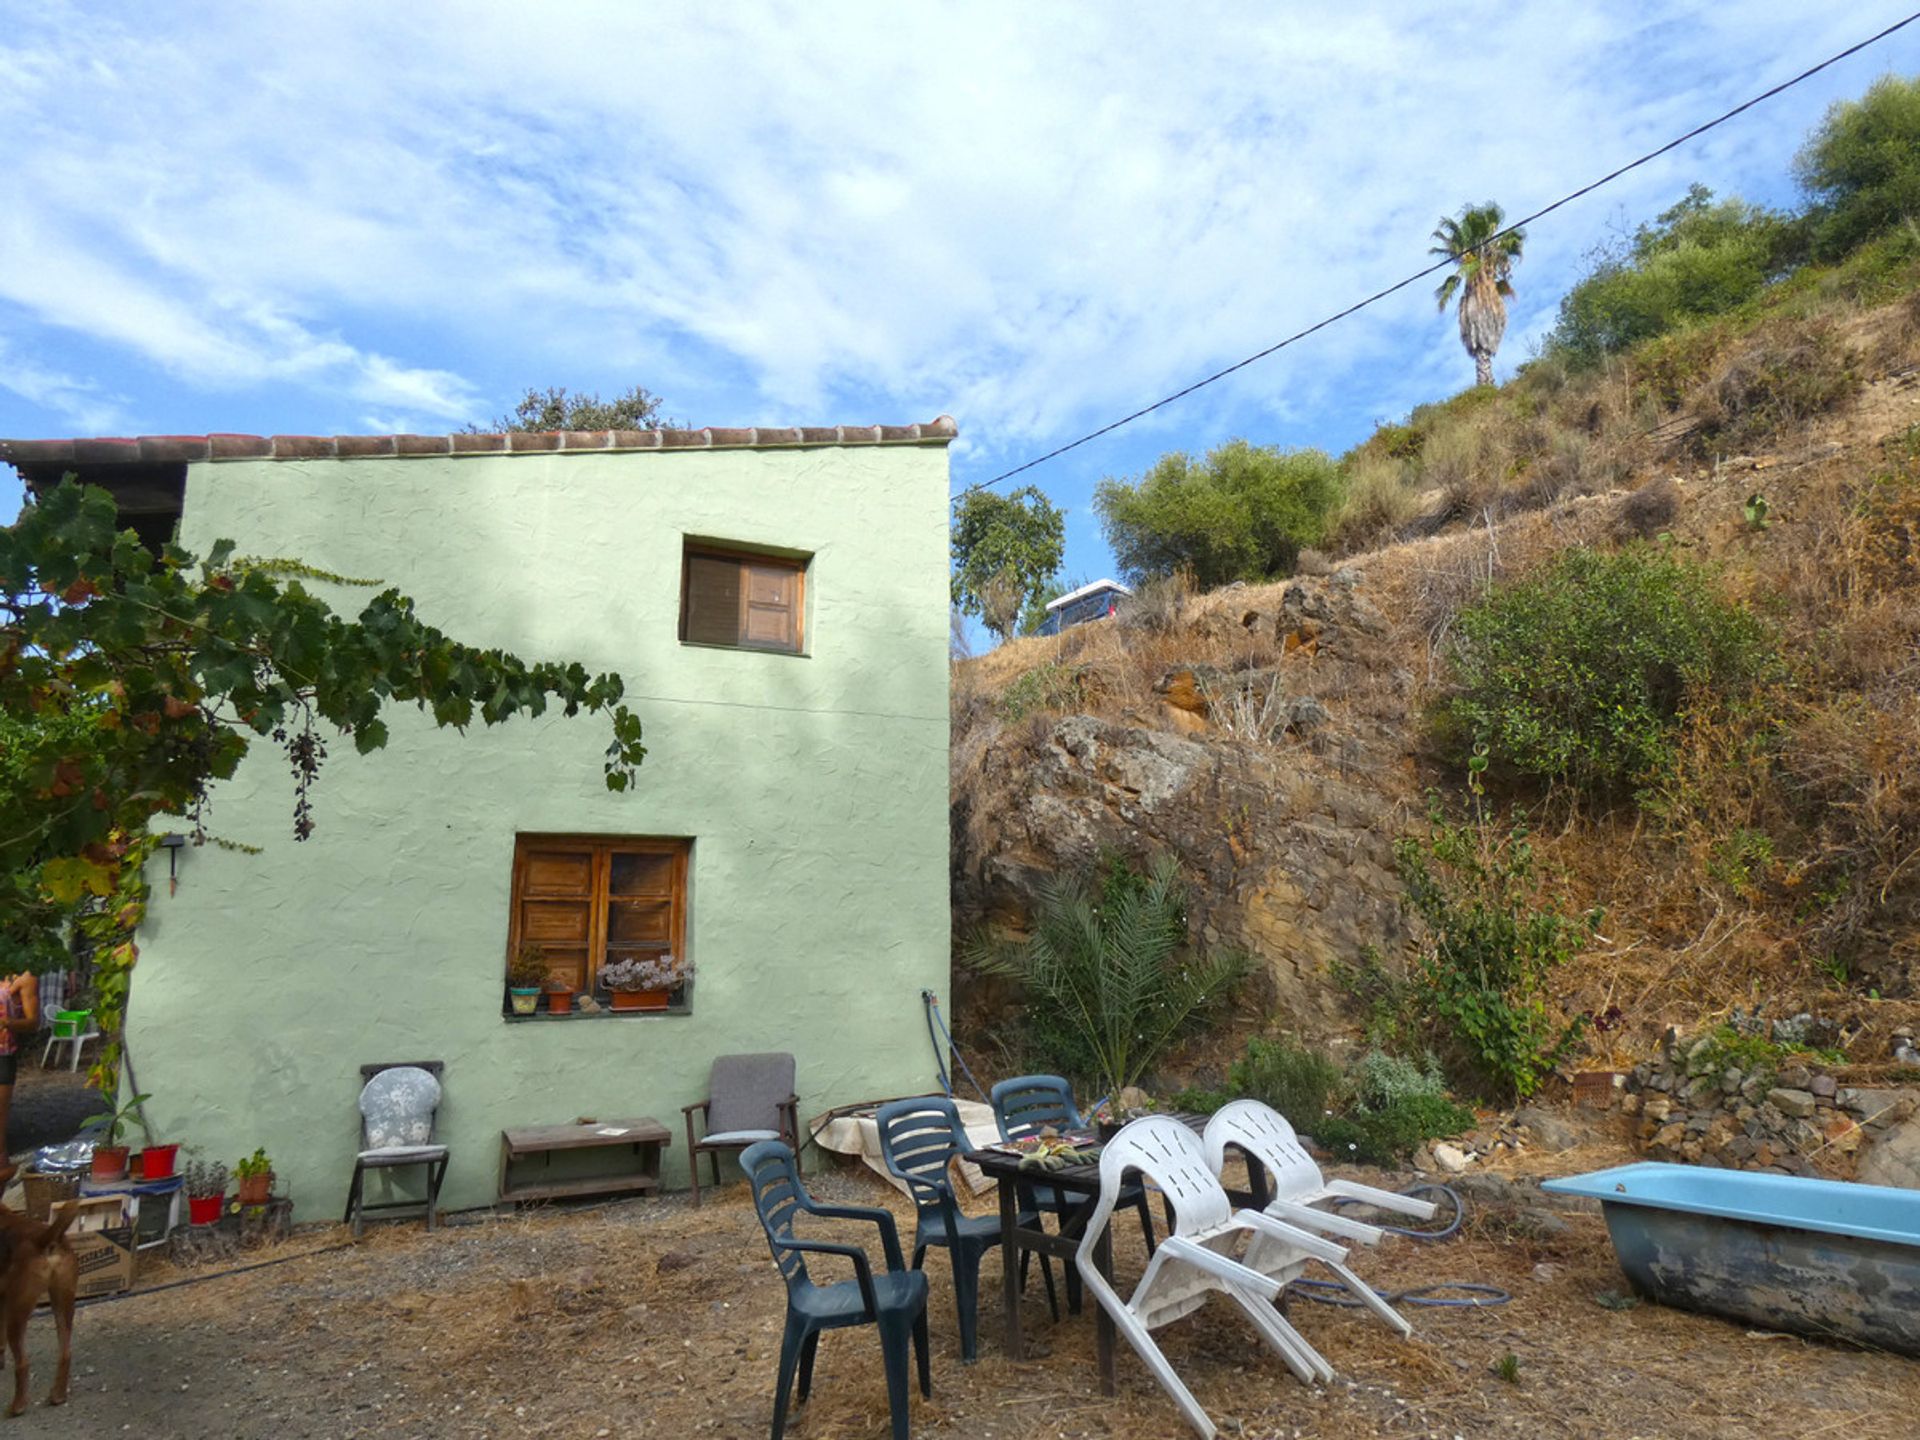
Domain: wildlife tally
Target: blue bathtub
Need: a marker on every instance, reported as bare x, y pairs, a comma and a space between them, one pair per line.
1818, 1257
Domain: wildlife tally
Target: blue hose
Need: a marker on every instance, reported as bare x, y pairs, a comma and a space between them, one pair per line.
1451, 1228
1475, 1297
1333, 1292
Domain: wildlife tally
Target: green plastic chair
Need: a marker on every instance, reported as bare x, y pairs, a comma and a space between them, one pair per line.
70, 1027
894, 1300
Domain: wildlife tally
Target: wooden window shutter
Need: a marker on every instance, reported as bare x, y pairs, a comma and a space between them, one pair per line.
711, 614
554, 908
751, 601
772, 606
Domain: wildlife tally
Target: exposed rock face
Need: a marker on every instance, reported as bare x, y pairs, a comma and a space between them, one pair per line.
1285, 834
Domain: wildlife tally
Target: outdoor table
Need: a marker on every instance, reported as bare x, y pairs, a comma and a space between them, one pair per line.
1003, 1167
645, 1137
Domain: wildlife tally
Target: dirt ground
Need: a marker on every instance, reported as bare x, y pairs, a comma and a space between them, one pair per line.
653, 1318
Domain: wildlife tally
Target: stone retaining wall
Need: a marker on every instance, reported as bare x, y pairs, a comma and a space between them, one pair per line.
1794, 1116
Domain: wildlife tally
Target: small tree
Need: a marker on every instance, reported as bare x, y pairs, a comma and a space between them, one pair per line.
1492, 943
1107, 971
556, 408
1242, 513
1004, 548
1861, 166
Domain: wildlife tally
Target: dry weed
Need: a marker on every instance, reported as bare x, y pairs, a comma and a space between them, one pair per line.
1379, 501
1780, 377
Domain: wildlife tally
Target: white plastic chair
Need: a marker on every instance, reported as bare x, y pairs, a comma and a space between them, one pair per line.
1192, 1262
1264, 1134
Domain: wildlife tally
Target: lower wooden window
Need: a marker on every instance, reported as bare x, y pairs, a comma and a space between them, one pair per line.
589, 901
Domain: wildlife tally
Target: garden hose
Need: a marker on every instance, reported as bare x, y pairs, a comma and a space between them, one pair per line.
1333, 1292
1471, 1296
1446, 1231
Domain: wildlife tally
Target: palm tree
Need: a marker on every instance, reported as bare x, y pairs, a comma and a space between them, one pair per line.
1482, 257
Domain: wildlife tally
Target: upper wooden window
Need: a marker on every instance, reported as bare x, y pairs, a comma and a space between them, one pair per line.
752, 602
588, 901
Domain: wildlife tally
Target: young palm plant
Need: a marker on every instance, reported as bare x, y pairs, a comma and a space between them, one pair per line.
1109, 961
1481, 266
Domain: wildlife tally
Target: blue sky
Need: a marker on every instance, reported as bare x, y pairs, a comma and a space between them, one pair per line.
365, 217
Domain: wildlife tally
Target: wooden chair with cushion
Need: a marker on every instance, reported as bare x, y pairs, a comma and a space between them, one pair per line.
750, 1098
399, 1106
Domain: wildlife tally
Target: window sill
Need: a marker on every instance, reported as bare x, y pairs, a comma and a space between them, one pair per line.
747, 649
542, 1017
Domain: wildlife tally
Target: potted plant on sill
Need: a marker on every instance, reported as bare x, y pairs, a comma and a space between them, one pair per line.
255, 1177
526, 977
206, 1184
559, 997
110, 1159
645, 982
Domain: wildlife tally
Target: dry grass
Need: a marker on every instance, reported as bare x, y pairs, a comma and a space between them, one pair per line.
656, 1319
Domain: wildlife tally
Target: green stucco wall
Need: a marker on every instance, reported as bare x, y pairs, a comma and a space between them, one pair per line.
815, 790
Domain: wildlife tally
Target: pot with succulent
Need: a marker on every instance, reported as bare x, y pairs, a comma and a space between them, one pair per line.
526, 978
559, 997
110, 1158
255, 1179
206, 1182
645, 982
1118, 1109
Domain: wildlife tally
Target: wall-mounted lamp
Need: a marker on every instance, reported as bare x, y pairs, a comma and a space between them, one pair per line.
171, 843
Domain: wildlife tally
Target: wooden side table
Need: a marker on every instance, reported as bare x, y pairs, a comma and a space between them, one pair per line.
643, 1137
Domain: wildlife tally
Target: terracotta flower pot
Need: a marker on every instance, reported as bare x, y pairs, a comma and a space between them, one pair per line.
156, 1162
110, 1163
640, 999
255, 1189
559, 999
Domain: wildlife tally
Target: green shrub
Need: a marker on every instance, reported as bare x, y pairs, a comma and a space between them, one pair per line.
1109, 979
1047, 686
1291, 1078
1580, 672
1243, 513
1700, 258
1383, 996
1861, 167
1492, 943
1391, 1106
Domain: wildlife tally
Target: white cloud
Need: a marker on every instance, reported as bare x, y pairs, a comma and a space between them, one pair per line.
1035, 218
78, 403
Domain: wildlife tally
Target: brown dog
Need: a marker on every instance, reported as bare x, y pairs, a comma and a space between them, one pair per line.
36, 1260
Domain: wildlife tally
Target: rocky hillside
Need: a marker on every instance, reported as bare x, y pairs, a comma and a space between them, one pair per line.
1276, 737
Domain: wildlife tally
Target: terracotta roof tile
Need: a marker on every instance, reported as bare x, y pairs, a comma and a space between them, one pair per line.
156, 449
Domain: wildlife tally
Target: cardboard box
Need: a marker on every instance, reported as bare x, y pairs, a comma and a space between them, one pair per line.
97, 1212
106, 1260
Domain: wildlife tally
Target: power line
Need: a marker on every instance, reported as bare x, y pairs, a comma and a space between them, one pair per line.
1442, 263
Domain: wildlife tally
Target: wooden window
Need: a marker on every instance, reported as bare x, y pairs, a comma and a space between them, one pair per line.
588, 900
751, 602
